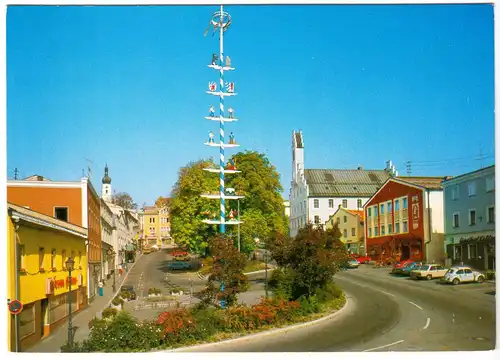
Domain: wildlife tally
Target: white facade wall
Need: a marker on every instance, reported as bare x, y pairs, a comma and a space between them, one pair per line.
298, 207
437, 211
325, 211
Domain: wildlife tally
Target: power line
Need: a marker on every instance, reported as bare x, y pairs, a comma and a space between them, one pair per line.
452, 159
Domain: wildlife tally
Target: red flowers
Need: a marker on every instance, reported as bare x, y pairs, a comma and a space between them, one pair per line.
175, 321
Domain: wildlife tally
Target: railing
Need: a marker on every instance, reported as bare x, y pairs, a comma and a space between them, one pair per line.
405, 214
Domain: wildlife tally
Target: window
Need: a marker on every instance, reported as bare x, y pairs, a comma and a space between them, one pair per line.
369, 211
375, 211
376, 230
472, 217
61, 213
345, 233
397, 229
20, 257
53, 259
389, 207
382, 209
491, 214
382, 230
471, 188
63, 258
344, 203
405, 203
456, 220
457, 253
468, 271
490, 183
152, 230
454, 192
473, 251
389, 229
27, 321
405, 226
338, 220
330, 203
316, 203
396, 205
353, 231
41, 254
360, 203
152, 220
345, 219
316, 219
370, 232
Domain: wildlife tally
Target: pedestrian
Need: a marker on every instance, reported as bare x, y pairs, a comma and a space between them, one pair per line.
101, 288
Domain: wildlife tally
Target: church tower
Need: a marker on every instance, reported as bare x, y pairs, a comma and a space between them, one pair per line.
106, 193
297, 155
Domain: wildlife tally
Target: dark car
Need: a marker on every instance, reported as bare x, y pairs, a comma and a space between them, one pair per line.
130, 289
408, 268
179, 265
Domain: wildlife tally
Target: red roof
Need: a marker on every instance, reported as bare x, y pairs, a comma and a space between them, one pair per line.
360, 213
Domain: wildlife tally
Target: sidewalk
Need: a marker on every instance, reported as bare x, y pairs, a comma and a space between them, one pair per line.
81, 320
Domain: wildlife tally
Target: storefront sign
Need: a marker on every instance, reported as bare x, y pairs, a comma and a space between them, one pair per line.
415, 210
61, 283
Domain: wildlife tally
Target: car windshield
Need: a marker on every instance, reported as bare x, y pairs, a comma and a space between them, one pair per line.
423, 267
451, 271
409, 264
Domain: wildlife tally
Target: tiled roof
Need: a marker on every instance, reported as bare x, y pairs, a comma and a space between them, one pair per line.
360, 213
336, 182
428, 182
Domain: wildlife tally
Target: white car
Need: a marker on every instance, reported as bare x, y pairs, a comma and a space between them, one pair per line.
462, 274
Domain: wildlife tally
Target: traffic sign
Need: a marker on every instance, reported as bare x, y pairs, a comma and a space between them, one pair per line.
15, 307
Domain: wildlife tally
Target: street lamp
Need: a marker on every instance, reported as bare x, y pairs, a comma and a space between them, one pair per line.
69, 265
257, 241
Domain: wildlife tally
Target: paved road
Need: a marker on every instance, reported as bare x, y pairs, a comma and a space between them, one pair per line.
390, 314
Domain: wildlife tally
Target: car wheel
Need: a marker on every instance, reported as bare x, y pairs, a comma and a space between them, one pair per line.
480, 279
429, 277
456, 281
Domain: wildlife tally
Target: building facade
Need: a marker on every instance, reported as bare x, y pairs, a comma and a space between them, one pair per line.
316, 194
75, 202
38, 247
405, 220
351, 226
107, 228
155, 226
469, 207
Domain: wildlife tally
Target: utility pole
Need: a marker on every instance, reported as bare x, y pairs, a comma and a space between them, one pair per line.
16, 173
408, 168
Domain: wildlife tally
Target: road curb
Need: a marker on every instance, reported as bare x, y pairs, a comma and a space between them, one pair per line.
269, 332
120, 285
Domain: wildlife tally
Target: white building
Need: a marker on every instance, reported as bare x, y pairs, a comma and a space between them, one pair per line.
107, 228
316, 194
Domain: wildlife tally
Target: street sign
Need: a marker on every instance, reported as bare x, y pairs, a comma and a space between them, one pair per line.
15, 307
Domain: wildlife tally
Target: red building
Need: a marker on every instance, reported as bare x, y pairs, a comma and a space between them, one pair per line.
405, 220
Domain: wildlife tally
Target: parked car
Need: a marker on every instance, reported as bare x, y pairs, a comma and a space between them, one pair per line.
130, 289
409, 267
146, 251
462, 274
428, 271
363, 259
400, 264
179, 265
178, 252
352, 264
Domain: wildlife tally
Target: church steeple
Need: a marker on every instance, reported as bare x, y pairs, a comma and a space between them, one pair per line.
106, 193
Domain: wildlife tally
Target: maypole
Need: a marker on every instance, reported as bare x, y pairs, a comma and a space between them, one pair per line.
221, 21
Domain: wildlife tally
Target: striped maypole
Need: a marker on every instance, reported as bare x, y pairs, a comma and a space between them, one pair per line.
221, 109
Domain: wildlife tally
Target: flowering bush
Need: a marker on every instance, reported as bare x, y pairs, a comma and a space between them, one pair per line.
175, 323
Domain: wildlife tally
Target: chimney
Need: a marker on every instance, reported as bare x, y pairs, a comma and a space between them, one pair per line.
39, 178
360, 167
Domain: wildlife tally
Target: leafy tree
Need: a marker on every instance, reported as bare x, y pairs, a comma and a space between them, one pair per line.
124, 200
308, 261
188, 208
161, 202
228, 269
262, 210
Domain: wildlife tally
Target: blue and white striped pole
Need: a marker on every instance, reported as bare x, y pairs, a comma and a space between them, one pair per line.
221, 89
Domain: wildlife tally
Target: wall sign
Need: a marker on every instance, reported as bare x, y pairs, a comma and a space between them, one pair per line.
15, 307
415, 211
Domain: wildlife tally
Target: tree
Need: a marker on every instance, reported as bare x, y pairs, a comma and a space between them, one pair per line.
124, 200
262, 209
188, 208
161, 202
310, 260
228, 270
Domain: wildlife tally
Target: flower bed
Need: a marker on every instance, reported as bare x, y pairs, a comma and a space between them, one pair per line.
183, 327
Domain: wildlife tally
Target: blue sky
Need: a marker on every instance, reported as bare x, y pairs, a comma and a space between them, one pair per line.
365, 84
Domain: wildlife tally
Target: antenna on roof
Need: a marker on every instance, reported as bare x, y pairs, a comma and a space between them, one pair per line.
16, 173
408, 168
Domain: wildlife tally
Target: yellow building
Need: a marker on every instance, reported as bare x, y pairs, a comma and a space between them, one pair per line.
38, 247
351, 225
155, 225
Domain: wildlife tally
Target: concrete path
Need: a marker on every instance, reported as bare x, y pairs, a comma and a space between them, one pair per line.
59, 337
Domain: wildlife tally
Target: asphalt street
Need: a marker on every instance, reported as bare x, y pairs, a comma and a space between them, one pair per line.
386, 313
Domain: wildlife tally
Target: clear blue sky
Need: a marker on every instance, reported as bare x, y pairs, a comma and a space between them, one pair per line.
126, 85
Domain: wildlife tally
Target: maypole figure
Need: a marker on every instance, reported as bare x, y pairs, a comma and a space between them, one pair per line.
231, 139
231, 113
211, 137
212, 111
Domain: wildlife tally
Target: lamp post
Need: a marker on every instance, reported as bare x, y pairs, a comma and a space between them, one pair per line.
69, 265
112, 254
257, 241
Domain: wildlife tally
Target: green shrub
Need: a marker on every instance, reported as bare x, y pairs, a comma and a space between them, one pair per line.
154, 291
309, 305
208, 322
109, 313
329, 293
125, 295
282, 283
117, 301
